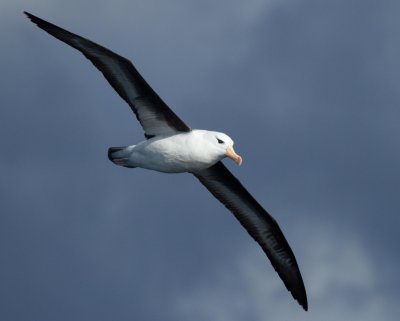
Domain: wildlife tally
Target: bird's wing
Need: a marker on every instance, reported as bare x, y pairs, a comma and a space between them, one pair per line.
258, 223
153, 114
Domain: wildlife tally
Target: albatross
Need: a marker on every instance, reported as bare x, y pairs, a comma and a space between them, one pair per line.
171, 146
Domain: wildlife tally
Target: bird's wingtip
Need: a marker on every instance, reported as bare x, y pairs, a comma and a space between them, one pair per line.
33, 18
301, 298
304, 304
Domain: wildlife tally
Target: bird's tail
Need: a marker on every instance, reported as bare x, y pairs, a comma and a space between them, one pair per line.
120, 156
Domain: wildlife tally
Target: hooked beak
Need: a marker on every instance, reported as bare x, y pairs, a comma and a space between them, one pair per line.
232, 155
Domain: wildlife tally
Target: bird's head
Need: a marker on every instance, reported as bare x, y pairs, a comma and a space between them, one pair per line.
223, 144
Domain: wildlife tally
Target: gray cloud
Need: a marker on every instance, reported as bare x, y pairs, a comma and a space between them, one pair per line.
343, 287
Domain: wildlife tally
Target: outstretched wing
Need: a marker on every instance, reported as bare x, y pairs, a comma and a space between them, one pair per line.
153, 114
258, 223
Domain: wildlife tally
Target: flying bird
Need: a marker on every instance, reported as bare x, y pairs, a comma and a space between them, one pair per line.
171, 146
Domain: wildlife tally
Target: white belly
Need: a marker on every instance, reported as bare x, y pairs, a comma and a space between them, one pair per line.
184, 152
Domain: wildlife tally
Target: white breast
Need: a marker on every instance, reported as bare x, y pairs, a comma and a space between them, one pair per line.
183, 152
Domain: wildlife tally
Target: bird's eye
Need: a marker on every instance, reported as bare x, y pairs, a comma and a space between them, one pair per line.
220, 141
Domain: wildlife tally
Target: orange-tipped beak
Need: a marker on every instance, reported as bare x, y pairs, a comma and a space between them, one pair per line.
232, 155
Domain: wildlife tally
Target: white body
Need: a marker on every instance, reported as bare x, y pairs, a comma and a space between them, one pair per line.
177, 153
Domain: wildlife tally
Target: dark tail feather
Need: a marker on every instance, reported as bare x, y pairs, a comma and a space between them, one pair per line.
118, 156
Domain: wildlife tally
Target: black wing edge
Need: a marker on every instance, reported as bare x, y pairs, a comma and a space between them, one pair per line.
289, 272
135, 77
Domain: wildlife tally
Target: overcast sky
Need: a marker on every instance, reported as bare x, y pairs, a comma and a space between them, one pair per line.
309, 91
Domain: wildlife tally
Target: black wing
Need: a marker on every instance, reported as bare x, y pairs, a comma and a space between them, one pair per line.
153, 114
258, 223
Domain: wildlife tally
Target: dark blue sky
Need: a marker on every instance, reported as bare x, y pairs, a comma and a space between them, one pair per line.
309, 91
